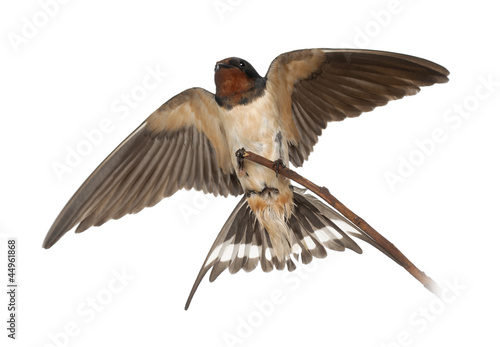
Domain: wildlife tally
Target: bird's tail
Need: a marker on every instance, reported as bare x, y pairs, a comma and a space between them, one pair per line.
311, 228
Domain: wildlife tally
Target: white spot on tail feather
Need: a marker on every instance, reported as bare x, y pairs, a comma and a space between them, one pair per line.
309, 242
254, 252
241, 250
214, 254
226, 255
321, 235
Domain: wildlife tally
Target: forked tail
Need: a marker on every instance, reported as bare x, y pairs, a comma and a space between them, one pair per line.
243, 242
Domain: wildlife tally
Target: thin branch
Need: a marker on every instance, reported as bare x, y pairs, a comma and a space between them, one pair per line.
358, 221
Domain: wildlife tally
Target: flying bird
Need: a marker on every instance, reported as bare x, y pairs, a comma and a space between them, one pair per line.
191, 140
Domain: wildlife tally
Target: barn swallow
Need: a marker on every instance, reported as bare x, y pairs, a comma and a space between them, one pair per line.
191, 141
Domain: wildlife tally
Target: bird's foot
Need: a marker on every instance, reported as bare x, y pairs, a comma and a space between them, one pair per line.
277, 164
240, 158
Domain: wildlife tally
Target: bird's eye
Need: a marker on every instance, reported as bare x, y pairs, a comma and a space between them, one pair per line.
242, 65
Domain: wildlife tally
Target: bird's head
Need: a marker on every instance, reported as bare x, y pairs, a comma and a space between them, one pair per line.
237, 82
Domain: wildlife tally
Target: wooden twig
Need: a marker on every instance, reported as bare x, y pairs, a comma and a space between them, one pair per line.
355, 219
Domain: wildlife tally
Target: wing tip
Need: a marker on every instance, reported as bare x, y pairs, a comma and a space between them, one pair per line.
439, 69
51, 238
48, 242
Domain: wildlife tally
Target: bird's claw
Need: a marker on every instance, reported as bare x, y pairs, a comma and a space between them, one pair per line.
240, 158
276, 166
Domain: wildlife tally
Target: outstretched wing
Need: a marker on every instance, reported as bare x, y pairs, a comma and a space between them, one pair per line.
181, 145
316, 86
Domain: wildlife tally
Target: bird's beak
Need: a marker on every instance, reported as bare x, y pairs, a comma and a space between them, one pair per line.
220, 65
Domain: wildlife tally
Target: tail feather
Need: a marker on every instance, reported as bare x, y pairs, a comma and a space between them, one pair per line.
243, 242
338, 220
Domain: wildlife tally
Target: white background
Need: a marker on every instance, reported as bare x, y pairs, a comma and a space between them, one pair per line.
67, 75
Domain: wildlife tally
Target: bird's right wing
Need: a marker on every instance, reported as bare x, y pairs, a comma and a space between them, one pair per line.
181, 145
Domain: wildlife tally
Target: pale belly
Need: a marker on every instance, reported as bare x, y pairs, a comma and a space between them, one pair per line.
257, 129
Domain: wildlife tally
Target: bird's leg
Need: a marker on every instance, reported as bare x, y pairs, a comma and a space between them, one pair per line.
240, 158
277, 164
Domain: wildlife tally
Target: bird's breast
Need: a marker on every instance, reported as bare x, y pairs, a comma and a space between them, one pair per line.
256, 127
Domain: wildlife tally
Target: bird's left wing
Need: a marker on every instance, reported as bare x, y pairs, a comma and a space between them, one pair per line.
316, 86
181, 145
